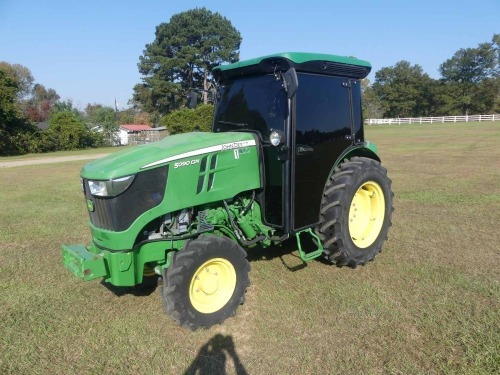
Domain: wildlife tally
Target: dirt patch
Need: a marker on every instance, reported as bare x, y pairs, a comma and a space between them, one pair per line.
49, 160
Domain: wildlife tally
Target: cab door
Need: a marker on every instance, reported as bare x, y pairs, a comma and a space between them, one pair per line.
323, 130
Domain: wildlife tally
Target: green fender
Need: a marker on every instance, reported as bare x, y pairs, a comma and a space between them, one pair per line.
367, 150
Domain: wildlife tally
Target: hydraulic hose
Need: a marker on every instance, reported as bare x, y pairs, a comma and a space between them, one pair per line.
240, 236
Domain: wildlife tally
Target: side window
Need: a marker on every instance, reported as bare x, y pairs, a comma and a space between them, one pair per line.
323, 110
252, 103
357, 116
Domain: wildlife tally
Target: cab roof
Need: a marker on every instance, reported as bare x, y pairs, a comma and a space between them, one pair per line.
306, 62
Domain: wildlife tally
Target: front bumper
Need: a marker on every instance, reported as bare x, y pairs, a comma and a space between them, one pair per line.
120, 268
83, 263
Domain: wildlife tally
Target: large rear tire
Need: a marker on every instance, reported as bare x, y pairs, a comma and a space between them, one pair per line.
206, 282
356, 212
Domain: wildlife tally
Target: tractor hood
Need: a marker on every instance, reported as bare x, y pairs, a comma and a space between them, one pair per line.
170, 149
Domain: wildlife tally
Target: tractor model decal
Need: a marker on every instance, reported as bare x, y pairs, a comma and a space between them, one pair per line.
185, 163
202, 151
233, 145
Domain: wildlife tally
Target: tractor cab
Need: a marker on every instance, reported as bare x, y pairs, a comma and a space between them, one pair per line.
306, 111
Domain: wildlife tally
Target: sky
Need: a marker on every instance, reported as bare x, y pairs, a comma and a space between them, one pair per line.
88, 50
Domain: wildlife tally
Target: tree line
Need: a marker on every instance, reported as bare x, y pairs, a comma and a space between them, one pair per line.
34, 119
469, 84
180, 60
187, 48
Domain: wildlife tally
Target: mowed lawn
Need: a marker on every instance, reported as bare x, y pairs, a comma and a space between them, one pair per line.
429, 303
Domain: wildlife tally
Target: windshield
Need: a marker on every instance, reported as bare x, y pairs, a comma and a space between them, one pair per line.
252, 103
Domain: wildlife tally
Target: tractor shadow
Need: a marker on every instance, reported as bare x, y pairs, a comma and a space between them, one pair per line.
212, 358
287, 253
145, 289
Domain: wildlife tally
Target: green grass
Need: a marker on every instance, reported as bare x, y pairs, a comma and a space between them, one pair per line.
428, 304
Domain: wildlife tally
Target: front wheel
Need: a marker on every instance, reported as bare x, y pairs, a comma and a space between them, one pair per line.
356, 212
206, 282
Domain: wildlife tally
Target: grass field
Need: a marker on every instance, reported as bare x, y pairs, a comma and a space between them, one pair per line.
428, 304
88, 151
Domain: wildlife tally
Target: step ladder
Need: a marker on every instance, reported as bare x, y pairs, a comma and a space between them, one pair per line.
308, 256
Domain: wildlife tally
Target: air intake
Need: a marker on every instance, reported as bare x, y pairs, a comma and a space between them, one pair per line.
344, 70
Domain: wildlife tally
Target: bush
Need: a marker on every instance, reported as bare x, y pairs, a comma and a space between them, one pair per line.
189, 120
15, 144
66, 132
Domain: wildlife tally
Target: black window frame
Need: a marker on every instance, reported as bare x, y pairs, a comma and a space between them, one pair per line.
218, 127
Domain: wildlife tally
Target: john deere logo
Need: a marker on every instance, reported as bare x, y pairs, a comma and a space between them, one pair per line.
90, 205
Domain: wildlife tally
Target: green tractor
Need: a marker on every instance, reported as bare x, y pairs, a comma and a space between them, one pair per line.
286, 158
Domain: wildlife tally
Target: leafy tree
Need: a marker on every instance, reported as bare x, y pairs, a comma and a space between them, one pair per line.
66, 106
9, 87
143, 118
21, 101
14, 128
471, 65
372, 107
188, 120
403, 90
103, 118
99, 115
182, 57
132, 116
23, 77
41, 103
32, 99
125, 116
471, 78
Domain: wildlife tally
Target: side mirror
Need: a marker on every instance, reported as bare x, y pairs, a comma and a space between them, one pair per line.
291, 82
192, 100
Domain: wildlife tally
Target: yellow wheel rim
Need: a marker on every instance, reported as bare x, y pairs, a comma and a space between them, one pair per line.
366, 214
212, 285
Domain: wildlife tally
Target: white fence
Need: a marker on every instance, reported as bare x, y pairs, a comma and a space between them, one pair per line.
430, 120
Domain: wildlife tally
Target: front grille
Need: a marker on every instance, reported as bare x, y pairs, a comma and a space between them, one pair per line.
118, 213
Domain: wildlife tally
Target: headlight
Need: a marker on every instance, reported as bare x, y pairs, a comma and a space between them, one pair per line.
277, 137
110, 188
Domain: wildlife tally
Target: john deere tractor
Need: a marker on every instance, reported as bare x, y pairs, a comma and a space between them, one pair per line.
286, 159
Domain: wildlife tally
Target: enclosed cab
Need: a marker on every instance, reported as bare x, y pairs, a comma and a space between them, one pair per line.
315, 102
286, 158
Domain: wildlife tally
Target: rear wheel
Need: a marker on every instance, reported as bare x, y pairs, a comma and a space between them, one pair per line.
206, 282
356, 212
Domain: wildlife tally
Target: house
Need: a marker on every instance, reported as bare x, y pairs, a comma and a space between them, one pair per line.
134, 134
155, 134
131, 133
139, 134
